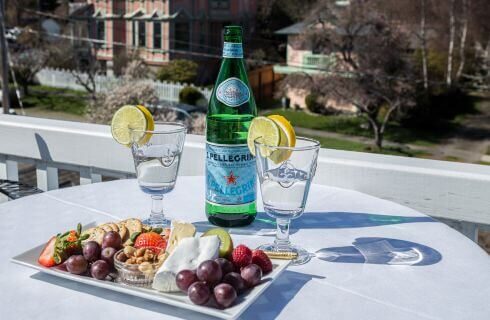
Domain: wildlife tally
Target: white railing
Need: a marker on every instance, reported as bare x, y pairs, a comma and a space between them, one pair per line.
60, 78
458, 193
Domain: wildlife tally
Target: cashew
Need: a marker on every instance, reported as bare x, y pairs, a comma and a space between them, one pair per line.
129, 251
145, 267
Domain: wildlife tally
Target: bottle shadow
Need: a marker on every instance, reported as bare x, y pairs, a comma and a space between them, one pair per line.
265, 225
376, 250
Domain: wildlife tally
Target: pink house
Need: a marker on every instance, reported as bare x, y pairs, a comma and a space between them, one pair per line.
162, 30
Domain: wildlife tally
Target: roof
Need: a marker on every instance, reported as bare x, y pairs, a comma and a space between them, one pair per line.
296, 28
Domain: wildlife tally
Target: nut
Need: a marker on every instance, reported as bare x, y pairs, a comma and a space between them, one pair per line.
129, 251
145, 267
140, 260
140, 252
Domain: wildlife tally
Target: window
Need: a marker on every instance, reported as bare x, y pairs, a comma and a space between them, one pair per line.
202, 34
181, 36
157, 35
220, 4
141, 34
133, 28
100, 30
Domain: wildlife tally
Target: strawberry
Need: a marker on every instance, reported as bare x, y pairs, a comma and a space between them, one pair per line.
262, 260
241, 256
62, 246
46, 258
150, 239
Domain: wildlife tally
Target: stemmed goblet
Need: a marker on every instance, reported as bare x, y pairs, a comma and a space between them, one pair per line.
285, 175
156, 156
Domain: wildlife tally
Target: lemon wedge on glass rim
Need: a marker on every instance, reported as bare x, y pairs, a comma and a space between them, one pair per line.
274, 130
129, 118
288, 138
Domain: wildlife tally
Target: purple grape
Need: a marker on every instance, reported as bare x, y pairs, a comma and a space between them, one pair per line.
185, 278
251, 274
199, 293
112, 239
226, 265
76, 264
107, 255
91, 251
224, 295
235, 280
100, 269
210, 272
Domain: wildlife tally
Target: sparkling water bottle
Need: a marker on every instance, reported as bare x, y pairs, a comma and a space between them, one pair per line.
230, 167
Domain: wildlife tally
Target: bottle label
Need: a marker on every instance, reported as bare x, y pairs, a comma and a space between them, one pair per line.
232, 50
230, 174
233, 92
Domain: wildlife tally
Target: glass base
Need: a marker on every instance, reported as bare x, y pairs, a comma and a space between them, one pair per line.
157, 223
303, 255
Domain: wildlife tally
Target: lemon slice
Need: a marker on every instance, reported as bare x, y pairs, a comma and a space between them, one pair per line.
288, 138
265, 128
150, 125
125, 119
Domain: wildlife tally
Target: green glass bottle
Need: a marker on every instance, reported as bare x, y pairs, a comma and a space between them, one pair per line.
230, 167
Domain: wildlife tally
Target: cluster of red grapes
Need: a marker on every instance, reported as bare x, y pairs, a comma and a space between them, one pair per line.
95, 260
217, 280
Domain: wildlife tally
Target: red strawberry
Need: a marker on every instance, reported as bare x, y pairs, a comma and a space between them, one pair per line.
150, 239
241, 256
46, 258
262, 260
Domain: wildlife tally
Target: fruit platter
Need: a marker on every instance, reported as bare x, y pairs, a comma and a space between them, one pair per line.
205, 272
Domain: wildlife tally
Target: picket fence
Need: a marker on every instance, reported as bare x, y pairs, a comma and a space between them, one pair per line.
59, 78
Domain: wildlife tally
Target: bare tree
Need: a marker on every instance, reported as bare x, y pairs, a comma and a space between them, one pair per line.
26, 63
452, 31
462, 41
372, 70
423, 43
87, 66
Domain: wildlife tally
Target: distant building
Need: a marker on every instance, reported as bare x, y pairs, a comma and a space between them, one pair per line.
301, 57
161, 30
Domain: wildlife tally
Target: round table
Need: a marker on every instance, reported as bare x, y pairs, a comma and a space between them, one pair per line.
374, 259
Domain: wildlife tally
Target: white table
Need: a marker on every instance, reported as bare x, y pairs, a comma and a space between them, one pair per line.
450, 280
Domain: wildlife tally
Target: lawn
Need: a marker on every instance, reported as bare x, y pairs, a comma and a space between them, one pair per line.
356, 126
333, 143
56, 99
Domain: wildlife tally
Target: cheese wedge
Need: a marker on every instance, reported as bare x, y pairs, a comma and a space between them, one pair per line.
179, 231
187, 255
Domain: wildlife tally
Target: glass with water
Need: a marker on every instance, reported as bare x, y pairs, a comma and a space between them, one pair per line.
156, 157
285, 175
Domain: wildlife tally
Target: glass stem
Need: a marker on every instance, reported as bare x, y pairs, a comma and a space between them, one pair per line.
157, 217
282, 235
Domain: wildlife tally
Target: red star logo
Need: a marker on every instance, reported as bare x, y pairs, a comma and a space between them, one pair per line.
231, 178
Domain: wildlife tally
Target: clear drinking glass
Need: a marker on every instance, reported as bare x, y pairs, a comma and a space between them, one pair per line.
285, 175
156, 156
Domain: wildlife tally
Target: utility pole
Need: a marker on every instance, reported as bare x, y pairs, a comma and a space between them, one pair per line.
5, 64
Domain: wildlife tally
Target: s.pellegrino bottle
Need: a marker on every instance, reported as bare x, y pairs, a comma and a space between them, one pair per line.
230, 167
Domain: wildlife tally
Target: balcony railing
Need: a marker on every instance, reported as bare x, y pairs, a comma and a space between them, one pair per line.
454, 192
318, 60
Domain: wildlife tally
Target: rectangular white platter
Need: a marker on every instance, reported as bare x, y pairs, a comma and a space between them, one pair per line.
29, 259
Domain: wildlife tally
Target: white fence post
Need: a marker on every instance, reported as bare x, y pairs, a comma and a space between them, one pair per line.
47, 176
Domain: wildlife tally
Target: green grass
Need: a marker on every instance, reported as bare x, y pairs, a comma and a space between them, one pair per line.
56, 99
356, 126
333, 143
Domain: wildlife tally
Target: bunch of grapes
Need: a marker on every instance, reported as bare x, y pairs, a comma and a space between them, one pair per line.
96, 260
217, 280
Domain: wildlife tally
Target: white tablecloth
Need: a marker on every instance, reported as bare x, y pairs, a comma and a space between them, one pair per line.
436, 272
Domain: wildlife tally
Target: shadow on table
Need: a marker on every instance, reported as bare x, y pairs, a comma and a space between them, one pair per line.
277, 296
265, 225
387, 251
121, 298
